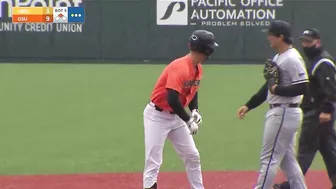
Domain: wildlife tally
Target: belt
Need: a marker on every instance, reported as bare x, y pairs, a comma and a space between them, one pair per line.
284, 105
160, 109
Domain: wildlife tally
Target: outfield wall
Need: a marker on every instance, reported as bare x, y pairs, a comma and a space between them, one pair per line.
118, 30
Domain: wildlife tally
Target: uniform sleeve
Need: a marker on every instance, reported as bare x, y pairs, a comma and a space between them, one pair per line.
175, 104
325, 72
297, 71
258, 98
174, 87
194, 102
175, 80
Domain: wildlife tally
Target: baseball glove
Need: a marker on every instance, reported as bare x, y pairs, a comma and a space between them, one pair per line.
272, 73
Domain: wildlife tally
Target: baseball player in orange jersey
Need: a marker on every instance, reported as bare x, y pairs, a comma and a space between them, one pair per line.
165, 116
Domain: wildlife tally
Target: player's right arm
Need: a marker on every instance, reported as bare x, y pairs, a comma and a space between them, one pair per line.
255, 101
174, 87
258, 98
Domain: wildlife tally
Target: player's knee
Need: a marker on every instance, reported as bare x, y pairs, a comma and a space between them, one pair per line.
193, 157
266, 162
153, 158
154, 153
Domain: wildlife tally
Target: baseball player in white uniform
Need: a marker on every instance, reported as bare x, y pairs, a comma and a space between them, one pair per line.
287, 81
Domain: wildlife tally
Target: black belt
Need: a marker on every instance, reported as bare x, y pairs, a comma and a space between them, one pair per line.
160, 109
284, 105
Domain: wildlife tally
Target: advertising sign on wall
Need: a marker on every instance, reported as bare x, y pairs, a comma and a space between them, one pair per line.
217, 13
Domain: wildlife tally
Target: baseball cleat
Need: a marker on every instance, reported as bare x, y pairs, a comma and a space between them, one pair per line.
153, 187
276, 186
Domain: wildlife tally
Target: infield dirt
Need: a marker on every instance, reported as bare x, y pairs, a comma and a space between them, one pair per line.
167, 180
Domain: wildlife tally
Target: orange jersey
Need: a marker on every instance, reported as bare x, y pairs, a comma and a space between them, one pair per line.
180, 75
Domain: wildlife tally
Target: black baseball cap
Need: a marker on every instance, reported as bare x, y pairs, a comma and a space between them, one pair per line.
280, 27
310, 34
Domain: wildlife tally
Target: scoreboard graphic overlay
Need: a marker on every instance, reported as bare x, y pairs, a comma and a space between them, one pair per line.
48, 15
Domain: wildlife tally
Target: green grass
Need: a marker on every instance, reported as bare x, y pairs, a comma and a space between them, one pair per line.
58, 118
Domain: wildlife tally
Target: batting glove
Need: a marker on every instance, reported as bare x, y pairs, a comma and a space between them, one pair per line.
192, 125
197, 116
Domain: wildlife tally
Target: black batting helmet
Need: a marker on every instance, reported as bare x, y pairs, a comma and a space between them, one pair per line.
202, 41
280, 27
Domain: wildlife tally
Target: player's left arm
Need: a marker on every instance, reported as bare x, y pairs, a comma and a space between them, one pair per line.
194, 103
299, 77
325, 73
193, 107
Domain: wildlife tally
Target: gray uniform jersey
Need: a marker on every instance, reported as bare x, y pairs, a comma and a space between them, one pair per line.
281, 125
292, 71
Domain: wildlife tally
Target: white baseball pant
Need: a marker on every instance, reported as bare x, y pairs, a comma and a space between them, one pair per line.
159, 126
